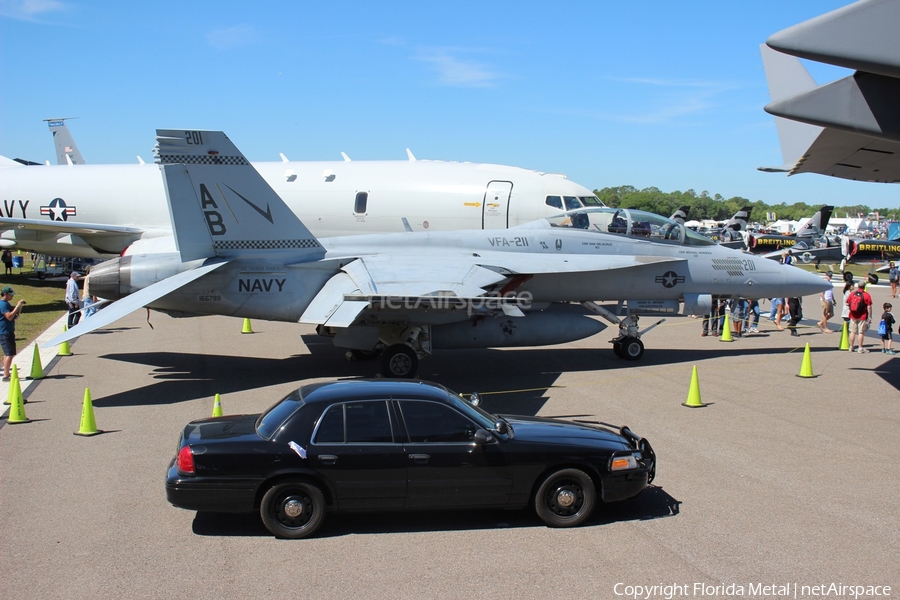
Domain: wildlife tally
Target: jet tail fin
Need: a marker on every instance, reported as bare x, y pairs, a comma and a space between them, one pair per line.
817, 222
680, 215
220, 205
67, 152
740, 219
787, 77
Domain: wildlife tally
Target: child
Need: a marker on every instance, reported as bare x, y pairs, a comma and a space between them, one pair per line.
889, 321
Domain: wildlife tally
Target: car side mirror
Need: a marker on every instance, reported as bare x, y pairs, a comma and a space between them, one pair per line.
483, 437
500, 427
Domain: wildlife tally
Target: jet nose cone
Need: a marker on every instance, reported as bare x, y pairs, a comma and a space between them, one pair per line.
798, 282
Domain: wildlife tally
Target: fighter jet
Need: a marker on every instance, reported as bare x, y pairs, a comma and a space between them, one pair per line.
240, 251
99, 211
809, 235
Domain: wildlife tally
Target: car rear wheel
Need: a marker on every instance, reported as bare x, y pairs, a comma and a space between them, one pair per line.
565, 498
293, 510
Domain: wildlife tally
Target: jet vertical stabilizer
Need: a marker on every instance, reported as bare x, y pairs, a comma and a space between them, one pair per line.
66, 151
234, 210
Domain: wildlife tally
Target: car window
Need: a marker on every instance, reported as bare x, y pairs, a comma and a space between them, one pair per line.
355, 422
270, 421
429, 422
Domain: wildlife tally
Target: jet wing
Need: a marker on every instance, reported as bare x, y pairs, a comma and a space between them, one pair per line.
457, 280
82, 229
131, 303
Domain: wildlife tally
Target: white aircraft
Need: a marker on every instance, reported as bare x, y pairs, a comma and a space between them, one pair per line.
239, 251
92, 211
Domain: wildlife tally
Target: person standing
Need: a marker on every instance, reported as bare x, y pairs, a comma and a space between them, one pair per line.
888, 320
87, 299
6, 257
827, 298
796, 311
753, 316
893, 278
72, 300
8, 316
860, 303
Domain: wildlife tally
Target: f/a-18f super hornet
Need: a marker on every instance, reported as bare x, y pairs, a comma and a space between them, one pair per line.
96, 211
242, 252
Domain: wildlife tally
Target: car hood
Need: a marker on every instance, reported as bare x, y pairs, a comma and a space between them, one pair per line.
221, 428
538, 429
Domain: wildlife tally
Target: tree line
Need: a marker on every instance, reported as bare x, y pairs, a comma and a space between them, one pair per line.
716, 207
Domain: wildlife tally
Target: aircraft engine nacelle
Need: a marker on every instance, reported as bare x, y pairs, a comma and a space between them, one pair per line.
697, 304
125, 275
534, 329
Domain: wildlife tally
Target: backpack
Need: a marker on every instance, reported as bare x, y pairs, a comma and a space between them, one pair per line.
856, 302
882, 328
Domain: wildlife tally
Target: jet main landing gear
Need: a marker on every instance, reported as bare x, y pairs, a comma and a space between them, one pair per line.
628, 344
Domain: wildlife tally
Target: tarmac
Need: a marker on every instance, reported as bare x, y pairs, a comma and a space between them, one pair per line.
778, 481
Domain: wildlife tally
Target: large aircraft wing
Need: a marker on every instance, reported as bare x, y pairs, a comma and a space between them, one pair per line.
105, 239
847, 128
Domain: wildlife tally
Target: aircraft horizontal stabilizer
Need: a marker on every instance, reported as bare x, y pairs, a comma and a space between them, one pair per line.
131, 303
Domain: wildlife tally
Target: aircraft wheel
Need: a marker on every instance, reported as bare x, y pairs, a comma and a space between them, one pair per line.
617, 349
400, 361
632, 348
848, 276
872, 278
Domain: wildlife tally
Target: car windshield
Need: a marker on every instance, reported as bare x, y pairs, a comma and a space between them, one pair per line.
271, 421
630, 223
479, 415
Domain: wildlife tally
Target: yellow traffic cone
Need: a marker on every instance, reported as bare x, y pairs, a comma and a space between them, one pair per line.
217, 407
726, 330
806, 367
64, 349
845, 340
247, 328
693, 398
17, 409
37, 370
13, 386
88, 425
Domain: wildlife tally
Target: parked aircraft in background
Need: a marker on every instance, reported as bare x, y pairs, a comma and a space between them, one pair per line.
67, 152
811, 233
242, 252
847, 128
92, 211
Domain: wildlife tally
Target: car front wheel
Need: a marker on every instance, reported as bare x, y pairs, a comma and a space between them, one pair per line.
565, 498
293, 510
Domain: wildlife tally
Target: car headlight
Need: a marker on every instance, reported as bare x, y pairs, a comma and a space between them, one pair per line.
623, 463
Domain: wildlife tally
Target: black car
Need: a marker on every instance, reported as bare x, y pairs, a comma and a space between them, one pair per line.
379, 445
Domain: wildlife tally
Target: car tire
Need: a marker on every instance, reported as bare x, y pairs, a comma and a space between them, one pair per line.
293, 510
399, 361
565, 498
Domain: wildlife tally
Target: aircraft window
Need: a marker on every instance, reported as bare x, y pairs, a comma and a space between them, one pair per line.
590, 201
572, 203
362, 198
554, 201
631, 223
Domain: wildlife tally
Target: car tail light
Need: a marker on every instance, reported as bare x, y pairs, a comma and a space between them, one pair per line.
622, 463
186, 460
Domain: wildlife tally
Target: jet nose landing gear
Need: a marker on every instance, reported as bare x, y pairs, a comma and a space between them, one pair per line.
629, 348
627, 344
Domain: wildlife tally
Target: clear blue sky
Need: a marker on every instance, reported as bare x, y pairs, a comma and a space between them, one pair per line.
664, 94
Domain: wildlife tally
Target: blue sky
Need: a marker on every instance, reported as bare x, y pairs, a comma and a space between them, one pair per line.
664, 94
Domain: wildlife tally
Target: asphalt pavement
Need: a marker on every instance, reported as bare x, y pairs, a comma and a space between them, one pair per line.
778, 481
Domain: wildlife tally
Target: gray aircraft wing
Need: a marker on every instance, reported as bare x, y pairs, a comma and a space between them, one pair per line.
848, 128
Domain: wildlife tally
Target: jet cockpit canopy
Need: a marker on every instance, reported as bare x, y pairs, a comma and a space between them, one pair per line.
630, 223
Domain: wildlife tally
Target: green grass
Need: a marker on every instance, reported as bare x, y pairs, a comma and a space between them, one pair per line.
45, 302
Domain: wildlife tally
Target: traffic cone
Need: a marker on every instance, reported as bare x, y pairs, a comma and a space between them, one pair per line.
693, 397
217, 407
247, 328
806, 366
64, 349
17, 409
726, 331
845, 340
13, 386
88, 425
37, 370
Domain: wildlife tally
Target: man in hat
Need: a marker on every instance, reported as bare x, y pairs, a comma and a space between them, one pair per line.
8, 327
72, 301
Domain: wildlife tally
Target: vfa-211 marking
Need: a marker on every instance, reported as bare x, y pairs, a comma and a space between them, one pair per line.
505, 242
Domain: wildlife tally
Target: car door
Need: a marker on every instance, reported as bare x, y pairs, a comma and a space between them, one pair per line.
445, 467
353, 448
